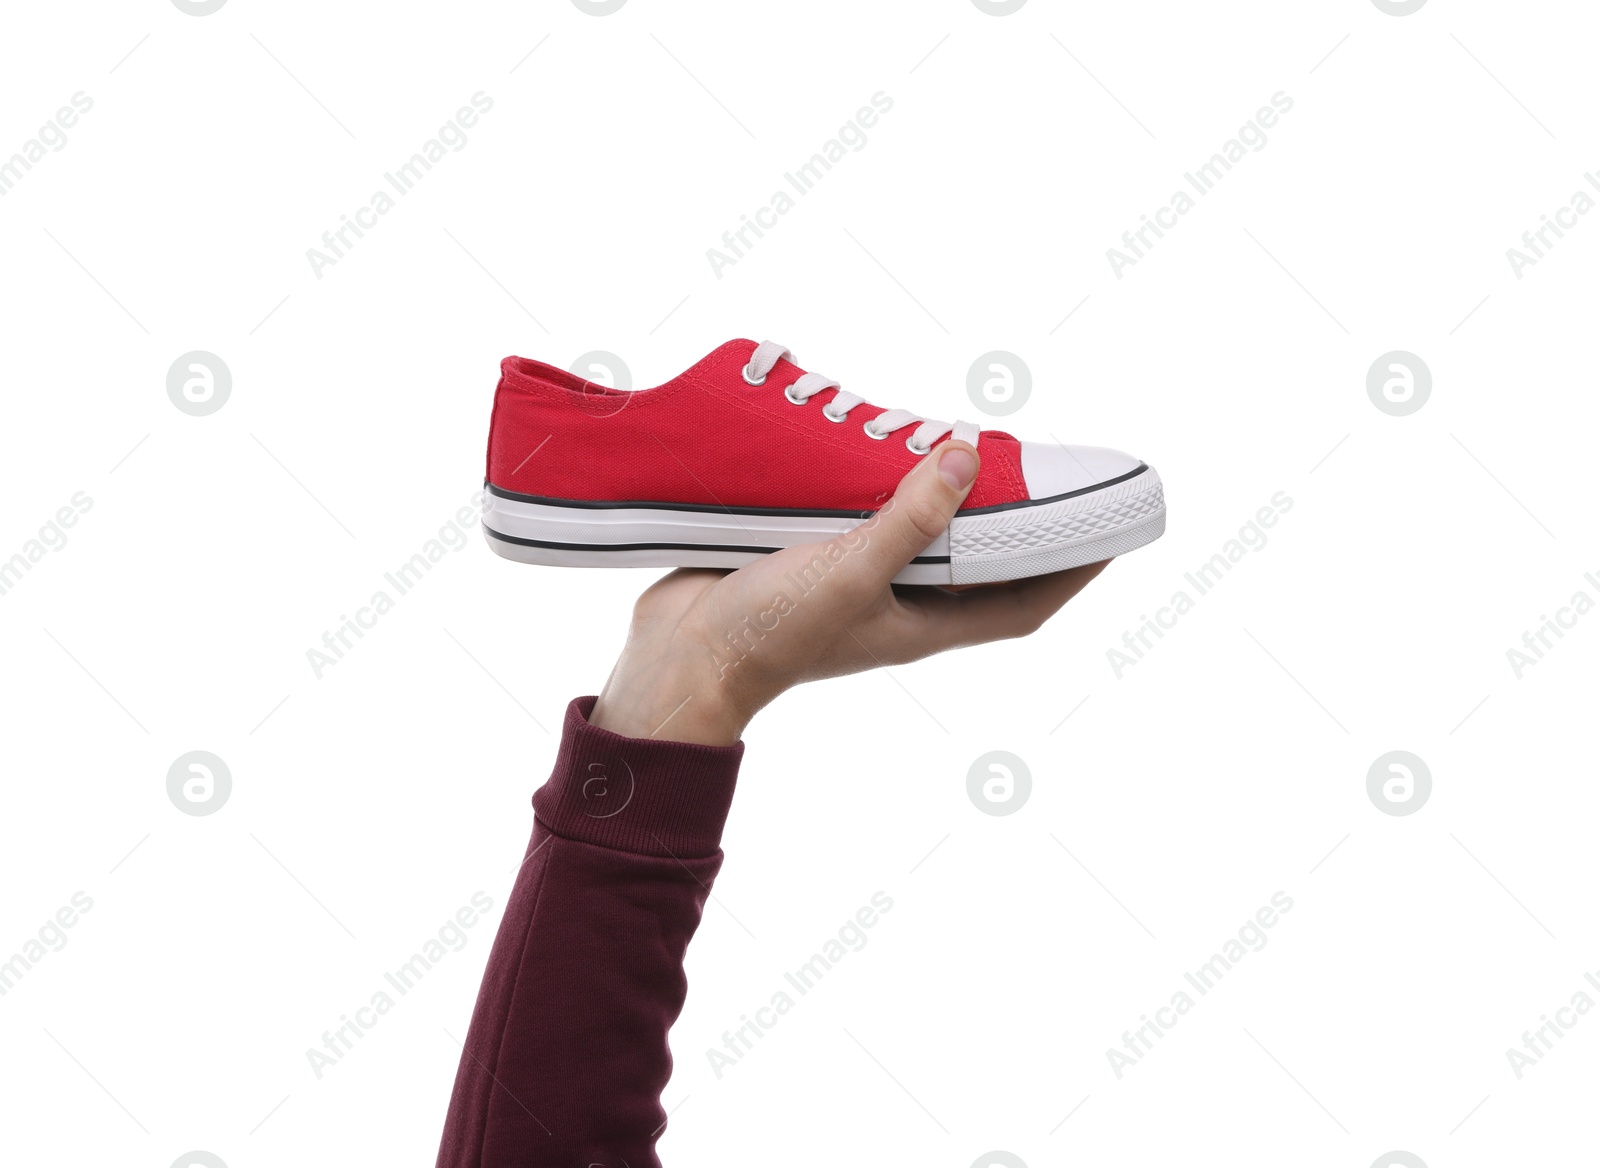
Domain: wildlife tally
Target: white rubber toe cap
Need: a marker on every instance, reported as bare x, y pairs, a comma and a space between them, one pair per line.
1050, 469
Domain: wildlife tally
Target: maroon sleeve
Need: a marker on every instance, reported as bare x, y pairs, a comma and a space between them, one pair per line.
566, 1056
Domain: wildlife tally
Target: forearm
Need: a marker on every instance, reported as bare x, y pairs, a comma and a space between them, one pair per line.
567, 1053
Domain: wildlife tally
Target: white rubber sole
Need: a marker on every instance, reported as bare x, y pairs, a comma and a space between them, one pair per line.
980, 547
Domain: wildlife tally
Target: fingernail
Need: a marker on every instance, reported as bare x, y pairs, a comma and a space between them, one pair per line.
958, 467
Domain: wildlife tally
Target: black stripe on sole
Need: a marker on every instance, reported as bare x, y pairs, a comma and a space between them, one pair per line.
799, 513
645, 547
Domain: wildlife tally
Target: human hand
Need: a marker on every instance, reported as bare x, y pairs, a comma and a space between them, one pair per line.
708, 648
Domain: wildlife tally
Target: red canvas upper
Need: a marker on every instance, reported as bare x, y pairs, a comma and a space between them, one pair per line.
707, 437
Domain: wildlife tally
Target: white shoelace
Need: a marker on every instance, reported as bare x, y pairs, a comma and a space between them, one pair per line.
928, 430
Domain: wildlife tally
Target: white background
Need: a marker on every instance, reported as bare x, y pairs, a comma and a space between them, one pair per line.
1229, 764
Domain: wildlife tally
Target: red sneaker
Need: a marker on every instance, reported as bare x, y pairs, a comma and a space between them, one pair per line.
746, 453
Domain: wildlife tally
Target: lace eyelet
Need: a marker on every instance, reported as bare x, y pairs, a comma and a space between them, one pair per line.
794, 401
827, 412
748, 380
919, 451
866, 428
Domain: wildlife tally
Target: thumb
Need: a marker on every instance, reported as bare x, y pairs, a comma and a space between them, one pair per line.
922, 507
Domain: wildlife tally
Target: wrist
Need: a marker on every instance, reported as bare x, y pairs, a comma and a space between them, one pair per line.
667, 712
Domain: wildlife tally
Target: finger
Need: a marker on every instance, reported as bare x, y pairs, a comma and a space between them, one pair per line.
922, 507
993, 613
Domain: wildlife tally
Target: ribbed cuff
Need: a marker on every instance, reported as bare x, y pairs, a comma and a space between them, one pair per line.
640, 795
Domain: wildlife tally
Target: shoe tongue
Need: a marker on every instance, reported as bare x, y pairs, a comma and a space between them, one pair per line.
726, 361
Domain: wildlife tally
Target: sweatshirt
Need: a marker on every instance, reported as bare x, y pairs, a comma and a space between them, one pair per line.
566, 1056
